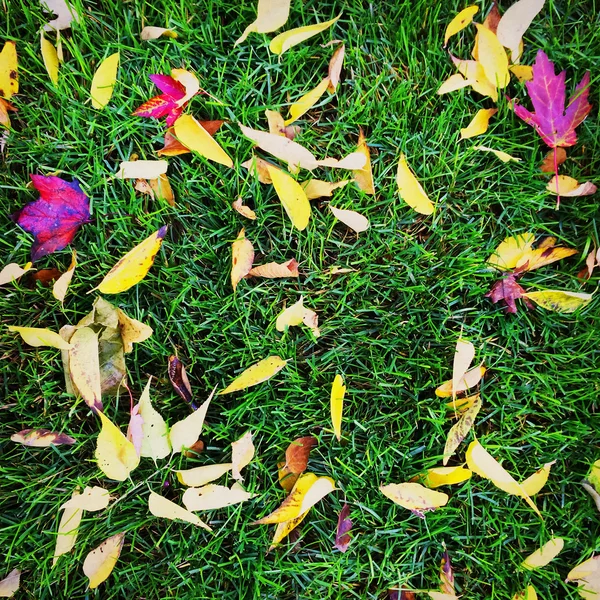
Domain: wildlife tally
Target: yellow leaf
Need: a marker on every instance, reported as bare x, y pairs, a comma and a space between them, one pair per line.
304, 104
163, 190
41, 337
460, 405
453, 83
528, 594
474, 72
503, 156
61, 285
534, 483
559, 301
200, 476
522, 72
189, 81
480, 461
242, 257
309, 490
84, 366
352, 219
470, 380
160, 507
479, 124
261, 371
9, 79
271, 15
463, 357
410, 189
132, 331
10, 584
547, 553
142, 169
153, 33
292, 197
414, 497
50, 57
155, 433
245, 211
104, 81
433, 478
460, 430
274, 270
587, 575
335, 68
193, 136
364, 176
12, 272
316, 188
511, 251
68, 529
259, 167
134, 266
212, 496
115, 454
338, 391
463, 19
542, 256
242, 452
286, 40
567, 186
352, 162
100, 562
492, 57
515, 22
185, 433
92, 499
276, 122
291, 316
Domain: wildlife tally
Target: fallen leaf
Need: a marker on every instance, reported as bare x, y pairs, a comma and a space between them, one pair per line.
261, 371
274, 270
166, 104
160, 507
296, 314
492, 57
352, 219
567, 186
473, 71
180, 382
104, 81
46, 276
594, 475
242, 452
142, 169
297, 453
258, 167
192, 135
245, 211
592, 492
271, 15
172, 146
10, 584
460, 430
463, 19
190, 83
163, 190
410, 189
242, 257
515, 22
344, 526
528, 594
338, 391
511, 251
153, 33
134, 266
470, 380
547, 553
507, 290
40, 337
447, 575
84, 366
185, 433
41, 438
364, 176
292, 197
9, 78
523, 73
587, 576
92, 499
479, 124
286, 40
65, 15
278, 127
559, 300
100, 562
115, 454
351, 162
464, 354
438, 476
547, 165
453, 83
414, 497
12, 272
5, 107
132, 331
534, 483
461, 405
68, 530
50, 58
306, 102
212, 497
503, 156
61, 285
335, 68
155, 433
134, 429
54, 218
316, 188
200, 476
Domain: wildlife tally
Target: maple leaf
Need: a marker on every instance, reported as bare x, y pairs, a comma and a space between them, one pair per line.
508, 290
164, 104
54, 218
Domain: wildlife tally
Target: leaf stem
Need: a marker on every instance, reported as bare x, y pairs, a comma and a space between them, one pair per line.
556, 178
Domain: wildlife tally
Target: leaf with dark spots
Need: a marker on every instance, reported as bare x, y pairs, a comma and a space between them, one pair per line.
508, 290
344, 526
54, 218
180, 381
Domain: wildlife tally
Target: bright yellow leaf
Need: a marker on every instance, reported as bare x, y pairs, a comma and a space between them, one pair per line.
364, 176
212, 496
200, 476
528, 594
41, 337
304, 104
410, 189
474, 72
534, 483
523, 73
492, 57
567, 186
162, 189
9, 79
84, 366
316, 188
163, 508
338, 391
68, 530
470, 380
544, 555
115, 454
511, 251
479, 124
100, 562
463, 19
193, 136
503, 156
61, 285
261, 371
286, 40
414, 497
185, 433
242, 257
453, 83
460, 430
558, 300
271, 15
50, 57
292, 197
104, 81
433, 478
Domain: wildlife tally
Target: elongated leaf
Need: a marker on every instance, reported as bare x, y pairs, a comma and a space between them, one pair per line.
115, 454
100, 562
185, 433
212, 496
470, 380
438, 476
338, 391
306, 102
344, 526
364, 176
10, 584
68, 530
9, 71
546, 554
284, 41
275, 270
193, 136
479, 124
41, 438
12, 272
515, 22
153, 33
351, 218
50, 57
410, 189
503, 156
84, 367
261, 371
414, 497
92, 499
559, 301
463, 19
163, 508
200, 476
292, 196
242, 452
104, 81
142, 169
460, 431
155, 433
492, 57
61, 285
271, 15
40, 337
242, 257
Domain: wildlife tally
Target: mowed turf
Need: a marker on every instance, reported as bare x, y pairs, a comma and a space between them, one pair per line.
389, 327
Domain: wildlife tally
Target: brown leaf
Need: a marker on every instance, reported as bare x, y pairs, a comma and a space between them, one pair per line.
172, 147
4, 108
195, 449
41, 438
245, 211
180, 381
335, 68
344, 526
46, 276
274, 270
547, 165
143, 187
296, 456
259, 167
493, 18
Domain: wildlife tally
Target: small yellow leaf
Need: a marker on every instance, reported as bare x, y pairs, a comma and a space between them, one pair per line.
200, 476
470, 380
261, 371
245, 211
84, 366
276, 122
473, 71
50, 57
189, 81
528, 594
242, 452
10, 584
433, 478
364, 176
503, 156
463, 19
534, 483
304, 104
61, 285
547, 553
68, 529
193, 136
142, 169
212, 496
41, 337
271, 15
134, 266
511, 251
558, 300
153, 33
410, 189
12, 272
286, 40
162, 188
292, 197
453, 83
351, 218
523, 73
543, 255
479, 124
132, 331
9, 80
338, 391
185, 433
160, 507
515, 22
460, 430
316, 188
567, 186
242, 257
92, 499
115, 454
463, 357
155, 433
291, 316
335, 68
274, 270
492, 57
414, 497
100, 562
104, 81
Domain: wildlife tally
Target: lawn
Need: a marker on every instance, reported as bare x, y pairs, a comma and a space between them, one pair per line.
389, 327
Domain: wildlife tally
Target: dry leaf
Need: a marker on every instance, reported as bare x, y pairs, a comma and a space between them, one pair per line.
528, 594
438, 476
335, 68
453, 83
212, 496
344, 526
296, 314
338, 391
492, 57
61, 285
245, 211
142, 169
286, 40
547, 165
414, 497
271, 15
242, 452
460, 430
515, 22
352, 219
587, 576
200, 476
65, 14
92, 499
104, 81
470, 380
153, 33
41, 438
242, 257
100, 562
132, 331
185, 433
316, 188
274, 270
160, 507
558, 300
547, 553
410, 189
68, 530
567, 186
84, 367
261, 371
115, 454
155, 441
364, 176
180, 381
10, 584
50, 58
307, 101
259, 166
463, 357
503, 156
351, 162
463, 19
479, 124
12, 272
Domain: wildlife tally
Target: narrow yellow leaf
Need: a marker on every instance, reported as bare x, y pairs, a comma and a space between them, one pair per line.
515, 22
414, 497
351, 162
316, 188
271, 15
292, 197
460, 430
142, 169
212, 496
523, 73
511, 251
153, 33
68, 529
559, 301
492, 57
242, 257
163, 508
335, 68
134, 266
92, 499
284, 529
258, 167
479, 124
84, 366
12, 272
104, 81
364, 176
463, 19
567, 186
304, 104
544, 255
286, 40
132, 331
100, 562
193, 136
115, 454
503, 156
50, 57
410, 189
61, 285
433, 478
544, 555
242, 452
200, 476
9, 79
185, 433
276, 122
464, 354
470, 380
41, 337
155, 433
474, 72
10, 584
351, 218
261, 371
338, 391
453, 83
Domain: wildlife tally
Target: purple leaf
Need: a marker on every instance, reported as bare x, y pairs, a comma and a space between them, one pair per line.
344, 526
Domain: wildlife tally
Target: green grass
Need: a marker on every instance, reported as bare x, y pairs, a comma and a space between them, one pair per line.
389, 327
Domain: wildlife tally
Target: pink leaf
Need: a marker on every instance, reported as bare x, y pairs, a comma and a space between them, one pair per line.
344, 526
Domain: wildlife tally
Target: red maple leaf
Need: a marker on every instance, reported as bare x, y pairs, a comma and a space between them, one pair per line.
55, 216
166, 103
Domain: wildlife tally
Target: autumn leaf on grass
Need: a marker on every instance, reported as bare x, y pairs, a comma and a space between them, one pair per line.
54, 218
464, 354
61, 285
463, 19
547, 165
141, 169
41, 337
515, 22
68, 529
278, 127
292, 196
469, 380
473, 71
100, 562
41, 438
410, 189
438, 476
84, 367
242, 257
91, 499
243, 210
261, 371
212, 496
5, 107
507, 290
307, 101
567, 186
338, 391
180, 382
460, 430
351, 218
547, 553
12, 272
271, 15
503, 156
453, 83
414, 497
296, 461
155, 433
9, 79
447, 575
364, 176
104, 81
115, 454
10, 584
316, 188
479, 124
344, 526
296, 314
200, 476
286, 40
587, 576
492, 57
335, 68
153, 33
50, 58
160, 507
242, 452
185, 433
65, 14
274, 270
559, 300
134, 266
512, 251
528, 594
192, 134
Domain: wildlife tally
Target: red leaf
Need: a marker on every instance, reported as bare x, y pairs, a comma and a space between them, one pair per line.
169, 86
54, 218
508, 290
180, 381
165, 104
156, 108
344, 526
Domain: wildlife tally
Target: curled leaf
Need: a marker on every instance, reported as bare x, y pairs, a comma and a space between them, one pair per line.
200, 476
479, 124
274, 270
410, 189
41, 438
460, 431
212, 496
115, 454
344, 526
242, 257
